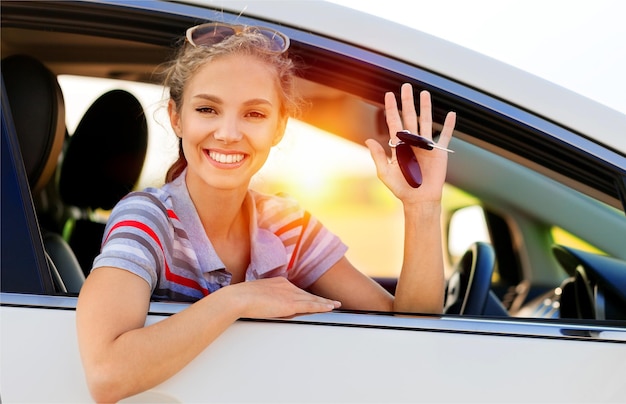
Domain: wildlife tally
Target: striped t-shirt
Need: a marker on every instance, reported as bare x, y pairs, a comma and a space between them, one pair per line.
157, 235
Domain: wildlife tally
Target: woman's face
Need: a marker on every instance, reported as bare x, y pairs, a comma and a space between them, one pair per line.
229, 120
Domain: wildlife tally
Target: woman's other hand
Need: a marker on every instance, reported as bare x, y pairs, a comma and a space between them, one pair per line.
275, 297
433, 163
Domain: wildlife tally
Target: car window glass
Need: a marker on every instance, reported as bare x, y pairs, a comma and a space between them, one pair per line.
565, 238
467, 225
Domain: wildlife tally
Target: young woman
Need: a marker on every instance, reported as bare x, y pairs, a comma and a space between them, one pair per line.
205, 237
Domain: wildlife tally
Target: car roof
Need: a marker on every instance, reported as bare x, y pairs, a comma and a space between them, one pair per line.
532, 93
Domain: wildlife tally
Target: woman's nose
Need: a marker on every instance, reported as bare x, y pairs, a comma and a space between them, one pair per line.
228, 131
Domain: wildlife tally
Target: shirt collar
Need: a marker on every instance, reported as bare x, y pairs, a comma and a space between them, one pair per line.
267, 250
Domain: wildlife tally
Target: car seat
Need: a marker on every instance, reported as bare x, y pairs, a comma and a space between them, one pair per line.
102, 163
38, 112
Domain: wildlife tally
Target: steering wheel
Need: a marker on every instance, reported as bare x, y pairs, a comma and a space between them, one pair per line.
468, 288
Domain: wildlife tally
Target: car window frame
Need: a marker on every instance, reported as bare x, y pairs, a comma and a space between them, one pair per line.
24, 267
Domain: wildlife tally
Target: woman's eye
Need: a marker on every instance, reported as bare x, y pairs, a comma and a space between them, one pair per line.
256, 114
205, 110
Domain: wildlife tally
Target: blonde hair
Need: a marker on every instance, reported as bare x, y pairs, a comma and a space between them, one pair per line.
248, 42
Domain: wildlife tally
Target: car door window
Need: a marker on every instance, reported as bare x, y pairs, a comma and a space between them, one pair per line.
565, 238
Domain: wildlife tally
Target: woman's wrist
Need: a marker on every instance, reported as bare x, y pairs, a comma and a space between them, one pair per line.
422, 209
229, 302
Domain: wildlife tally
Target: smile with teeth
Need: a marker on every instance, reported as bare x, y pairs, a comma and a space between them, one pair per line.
225, 158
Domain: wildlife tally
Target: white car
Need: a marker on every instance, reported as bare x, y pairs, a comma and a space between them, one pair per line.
534, 229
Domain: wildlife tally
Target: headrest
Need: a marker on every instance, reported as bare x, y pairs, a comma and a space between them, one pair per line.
38, 111
105, 155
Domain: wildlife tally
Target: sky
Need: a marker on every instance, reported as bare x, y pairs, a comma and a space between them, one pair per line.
578, 44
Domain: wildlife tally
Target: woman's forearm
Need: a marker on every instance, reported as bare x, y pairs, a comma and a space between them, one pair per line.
143, 357
421, 283
123, 357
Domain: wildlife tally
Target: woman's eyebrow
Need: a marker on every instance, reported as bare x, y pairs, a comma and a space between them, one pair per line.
257, 101
208, 97
218, 100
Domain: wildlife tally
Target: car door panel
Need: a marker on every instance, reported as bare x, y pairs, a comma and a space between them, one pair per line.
335, 357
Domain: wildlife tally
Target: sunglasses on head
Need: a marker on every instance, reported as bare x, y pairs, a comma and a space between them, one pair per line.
212, 33
409, 166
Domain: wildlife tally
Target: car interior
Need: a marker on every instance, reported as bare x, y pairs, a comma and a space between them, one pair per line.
539, 260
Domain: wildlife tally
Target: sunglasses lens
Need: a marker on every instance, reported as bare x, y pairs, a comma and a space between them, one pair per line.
214, 33
209, 34
278, 42
408, 165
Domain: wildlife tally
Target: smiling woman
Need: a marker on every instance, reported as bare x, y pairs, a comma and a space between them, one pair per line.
206, 238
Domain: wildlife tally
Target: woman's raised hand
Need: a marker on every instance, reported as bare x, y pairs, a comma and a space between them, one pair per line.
433, 163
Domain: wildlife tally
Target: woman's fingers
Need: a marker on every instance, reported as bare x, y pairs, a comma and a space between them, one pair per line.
448, 129
426, 115
277, 297
409, 115
378, 153
392, 116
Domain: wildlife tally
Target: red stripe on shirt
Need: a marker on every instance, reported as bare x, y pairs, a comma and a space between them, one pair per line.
172, 277
296, 250
289, 226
